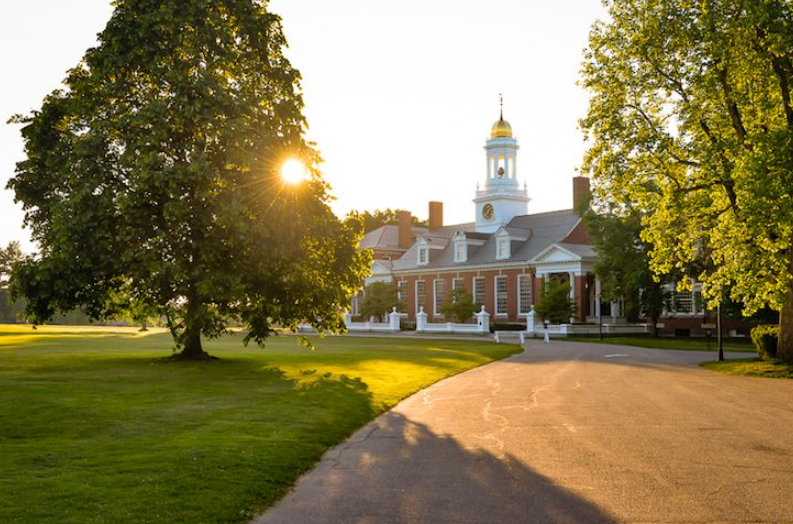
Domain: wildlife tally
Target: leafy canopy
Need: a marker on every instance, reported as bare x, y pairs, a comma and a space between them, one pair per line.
691, 121
153, 178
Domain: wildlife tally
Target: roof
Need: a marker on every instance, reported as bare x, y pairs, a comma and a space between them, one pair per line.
542, 229
387, 238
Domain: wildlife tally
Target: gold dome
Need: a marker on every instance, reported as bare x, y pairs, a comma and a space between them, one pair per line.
501, 129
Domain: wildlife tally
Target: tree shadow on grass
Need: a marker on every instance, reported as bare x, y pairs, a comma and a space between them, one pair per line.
195, 444
398, 471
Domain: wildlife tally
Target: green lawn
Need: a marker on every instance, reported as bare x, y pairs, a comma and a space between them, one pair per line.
682, 343
753, 367
96, 426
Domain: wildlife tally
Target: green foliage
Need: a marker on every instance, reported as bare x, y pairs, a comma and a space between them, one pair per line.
623, 264
153, 178
555, 305
127, 436
379, 218
9, 257
380, 299
752, 368
459, 305
691, 122
765, 340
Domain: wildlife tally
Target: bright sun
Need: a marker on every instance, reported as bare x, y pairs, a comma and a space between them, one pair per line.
293, 171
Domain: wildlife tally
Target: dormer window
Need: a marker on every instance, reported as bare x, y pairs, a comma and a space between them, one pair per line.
423, 255
503, 248
460, 251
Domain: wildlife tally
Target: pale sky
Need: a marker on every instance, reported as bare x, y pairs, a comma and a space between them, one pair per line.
400, 95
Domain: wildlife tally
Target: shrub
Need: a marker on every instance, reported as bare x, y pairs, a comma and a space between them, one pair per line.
765, 339
555, 305
459, 305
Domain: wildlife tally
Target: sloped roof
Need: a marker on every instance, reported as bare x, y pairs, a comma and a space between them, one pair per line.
387, 238
545, 229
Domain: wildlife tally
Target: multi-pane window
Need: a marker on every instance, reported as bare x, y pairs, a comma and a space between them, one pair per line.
460, 251
524, 294
439, 294
422, 255
420, 295
457, 283
684, 302
479, 291
502, 248
402, 290
501, 295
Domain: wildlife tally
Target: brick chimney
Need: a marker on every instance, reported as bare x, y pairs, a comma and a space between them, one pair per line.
405, 224
436, 215
581, 192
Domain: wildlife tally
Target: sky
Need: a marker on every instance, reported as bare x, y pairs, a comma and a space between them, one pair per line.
400, 95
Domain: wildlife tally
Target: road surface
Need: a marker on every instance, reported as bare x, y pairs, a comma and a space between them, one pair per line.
565, 433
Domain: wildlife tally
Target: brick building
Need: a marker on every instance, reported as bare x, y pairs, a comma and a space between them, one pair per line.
505, 254
501, 257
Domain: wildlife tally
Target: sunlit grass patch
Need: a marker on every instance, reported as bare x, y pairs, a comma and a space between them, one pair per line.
98, 426
753, 367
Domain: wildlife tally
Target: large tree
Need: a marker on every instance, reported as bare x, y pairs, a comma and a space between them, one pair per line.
691, 121
153, 178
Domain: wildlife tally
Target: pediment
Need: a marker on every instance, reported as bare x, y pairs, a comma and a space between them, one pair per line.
554, 254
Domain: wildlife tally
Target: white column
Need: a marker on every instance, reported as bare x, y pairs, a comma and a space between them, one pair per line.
571, 276
483, 321
421, 320
393, 319
597, 297
531, 321
615, 311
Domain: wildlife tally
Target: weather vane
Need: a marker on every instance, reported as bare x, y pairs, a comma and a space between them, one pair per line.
501, 103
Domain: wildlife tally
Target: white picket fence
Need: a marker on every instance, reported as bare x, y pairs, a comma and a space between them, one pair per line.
481, 327
392, 326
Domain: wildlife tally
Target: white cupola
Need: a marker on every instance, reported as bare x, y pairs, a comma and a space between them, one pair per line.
502, 198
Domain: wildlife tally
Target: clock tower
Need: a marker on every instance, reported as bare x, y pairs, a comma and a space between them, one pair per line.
502, 198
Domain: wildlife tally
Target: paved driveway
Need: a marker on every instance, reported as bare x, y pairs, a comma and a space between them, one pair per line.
565, 433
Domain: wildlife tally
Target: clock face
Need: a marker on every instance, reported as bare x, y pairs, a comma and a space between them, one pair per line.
487, 211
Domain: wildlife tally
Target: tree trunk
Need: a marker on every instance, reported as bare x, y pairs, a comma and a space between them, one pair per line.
192, 333
785, 346
192, 345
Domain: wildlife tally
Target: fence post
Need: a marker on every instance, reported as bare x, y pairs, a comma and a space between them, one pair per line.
393, 319
531, 322
483, 321
421, 320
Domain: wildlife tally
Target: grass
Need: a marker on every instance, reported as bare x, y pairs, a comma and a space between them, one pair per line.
96, 426
680, 343
752, 367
